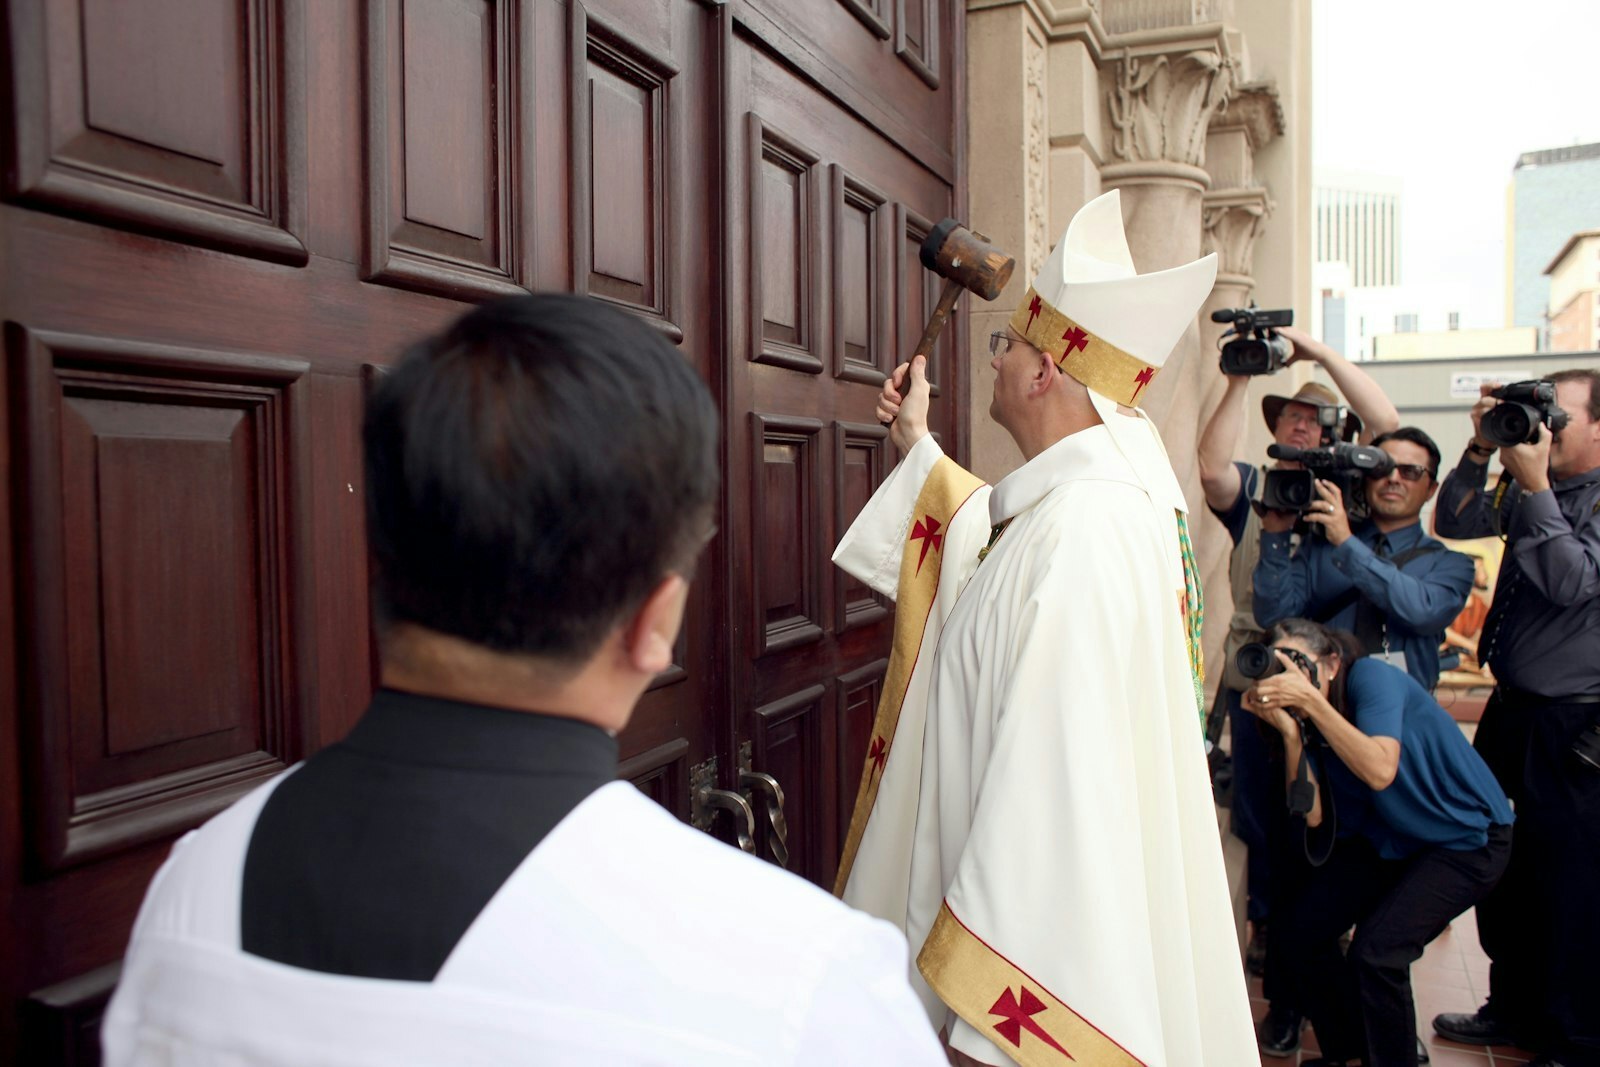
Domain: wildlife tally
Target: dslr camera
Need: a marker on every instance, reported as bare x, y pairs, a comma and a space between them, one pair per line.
1523, 406
1256, 347
1346, 465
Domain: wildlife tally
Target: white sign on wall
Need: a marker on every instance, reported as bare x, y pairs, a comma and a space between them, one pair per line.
1464, 384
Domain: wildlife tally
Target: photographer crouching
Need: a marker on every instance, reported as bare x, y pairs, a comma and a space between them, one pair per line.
1420, 832
1541, 729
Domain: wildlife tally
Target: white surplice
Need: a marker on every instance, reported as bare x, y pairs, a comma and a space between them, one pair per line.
623, 938
1046, 787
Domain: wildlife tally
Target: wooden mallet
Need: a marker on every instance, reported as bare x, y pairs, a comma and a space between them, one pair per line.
965, 260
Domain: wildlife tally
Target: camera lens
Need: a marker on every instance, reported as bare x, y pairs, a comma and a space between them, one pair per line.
1508, 423
1256, 660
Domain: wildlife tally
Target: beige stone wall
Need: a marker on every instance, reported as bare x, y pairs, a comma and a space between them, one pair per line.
1200, 112
1573, 329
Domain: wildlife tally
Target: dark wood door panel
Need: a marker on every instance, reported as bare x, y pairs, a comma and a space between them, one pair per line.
448, 145
884, 61
158, 592
179, 118
793, 739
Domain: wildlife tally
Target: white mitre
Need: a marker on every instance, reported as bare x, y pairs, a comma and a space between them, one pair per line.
1103, 322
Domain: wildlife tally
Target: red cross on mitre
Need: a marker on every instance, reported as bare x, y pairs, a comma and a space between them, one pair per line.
1017, 1015
1034, 309
1076, 339
927, 531
877, 754
1141, 380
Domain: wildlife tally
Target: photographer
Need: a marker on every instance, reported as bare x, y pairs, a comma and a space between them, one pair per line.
1233, 491
1541, 927
1383, 579
1421, 832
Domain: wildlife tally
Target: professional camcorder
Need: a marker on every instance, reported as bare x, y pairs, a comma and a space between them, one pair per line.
1523, 406
1256, 347
1346, 465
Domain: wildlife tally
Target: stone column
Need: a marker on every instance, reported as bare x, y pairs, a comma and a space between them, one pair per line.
1234, 213
1008, 146
1165, 87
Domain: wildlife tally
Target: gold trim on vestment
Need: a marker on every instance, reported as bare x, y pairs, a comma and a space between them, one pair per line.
1006, 1005
1095, 362
947, 488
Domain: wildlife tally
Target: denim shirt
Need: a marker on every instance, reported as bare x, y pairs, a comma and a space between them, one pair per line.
1419, 599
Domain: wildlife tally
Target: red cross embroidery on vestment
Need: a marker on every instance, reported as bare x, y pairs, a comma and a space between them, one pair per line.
877, 754
1076, 339
1018, 1016
1034, 309
928, 532
1142, 379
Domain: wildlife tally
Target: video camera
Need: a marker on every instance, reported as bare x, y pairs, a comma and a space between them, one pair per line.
1346, 465
1256, 347
1523, 406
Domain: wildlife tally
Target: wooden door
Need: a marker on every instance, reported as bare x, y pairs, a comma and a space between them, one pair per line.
221, 218
843, 120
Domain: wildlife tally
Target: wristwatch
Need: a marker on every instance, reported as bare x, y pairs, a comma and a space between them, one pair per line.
1478, 450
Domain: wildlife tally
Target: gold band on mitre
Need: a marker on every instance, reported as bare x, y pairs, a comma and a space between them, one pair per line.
1095, 362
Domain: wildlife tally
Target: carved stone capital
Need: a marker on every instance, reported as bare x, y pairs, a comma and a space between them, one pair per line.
1232, 219
1255, 108
1162, 102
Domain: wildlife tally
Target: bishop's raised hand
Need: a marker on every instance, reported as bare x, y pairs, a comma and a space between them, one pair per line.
903, 403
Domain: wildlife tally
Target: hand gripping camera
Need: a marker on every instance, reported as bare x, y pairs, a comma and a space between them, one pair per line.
1346, 465
1523, 406
1256, 347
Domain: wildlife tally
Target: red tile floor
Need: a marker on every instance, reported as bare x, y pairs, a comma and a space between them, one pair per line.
1452, 975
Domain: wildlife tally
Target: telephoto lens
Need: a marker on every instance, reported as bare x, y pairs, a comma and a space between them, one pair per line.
1256, 660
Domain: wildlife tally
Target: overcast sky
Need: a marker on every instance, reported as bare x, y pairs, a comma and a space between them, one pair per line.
1445, 96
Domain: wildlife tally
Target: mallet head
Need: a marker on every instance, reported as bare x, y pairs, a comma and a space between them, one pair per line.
954, 252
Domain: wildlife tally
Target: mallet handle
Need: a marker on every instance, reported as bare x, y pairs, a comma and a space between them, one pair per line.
936, 321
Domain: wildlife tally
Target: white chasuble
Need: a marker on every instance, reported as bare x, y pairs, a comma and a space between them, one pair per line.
1036, 811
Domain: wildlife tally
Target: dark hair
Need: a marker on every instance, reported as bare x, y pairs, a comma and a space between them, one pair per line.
1418, 438
1323, 641
1583, 374
533, 472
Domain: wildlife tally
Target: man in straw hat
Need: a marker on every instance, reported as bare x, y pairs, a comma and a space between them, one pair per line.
1312, 416
1035, 811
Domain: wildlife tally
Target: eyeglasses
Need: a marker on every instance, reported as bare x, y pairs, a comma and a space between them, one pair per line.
1410, 472
999, 343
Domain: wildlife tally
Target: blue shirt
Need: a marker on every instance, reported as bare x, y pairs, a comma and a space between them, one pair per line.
1443, 794
1418, 600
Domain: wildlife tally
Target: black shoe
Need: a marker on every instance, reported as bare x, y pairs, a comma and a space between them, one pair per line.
1255, 957
1279, 1033
1477, 1028
1544, 1061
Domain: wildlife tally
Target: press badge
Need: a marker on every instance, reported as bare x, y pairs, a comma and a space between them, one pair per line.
1393, 657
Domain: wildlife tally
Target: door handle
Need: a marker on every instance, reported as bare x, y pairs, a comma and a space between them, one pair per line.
744, 820
705, 800
778, 839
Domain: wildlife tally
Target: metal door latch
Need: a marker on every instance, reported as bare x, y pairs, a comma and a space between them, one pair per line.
706, 800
